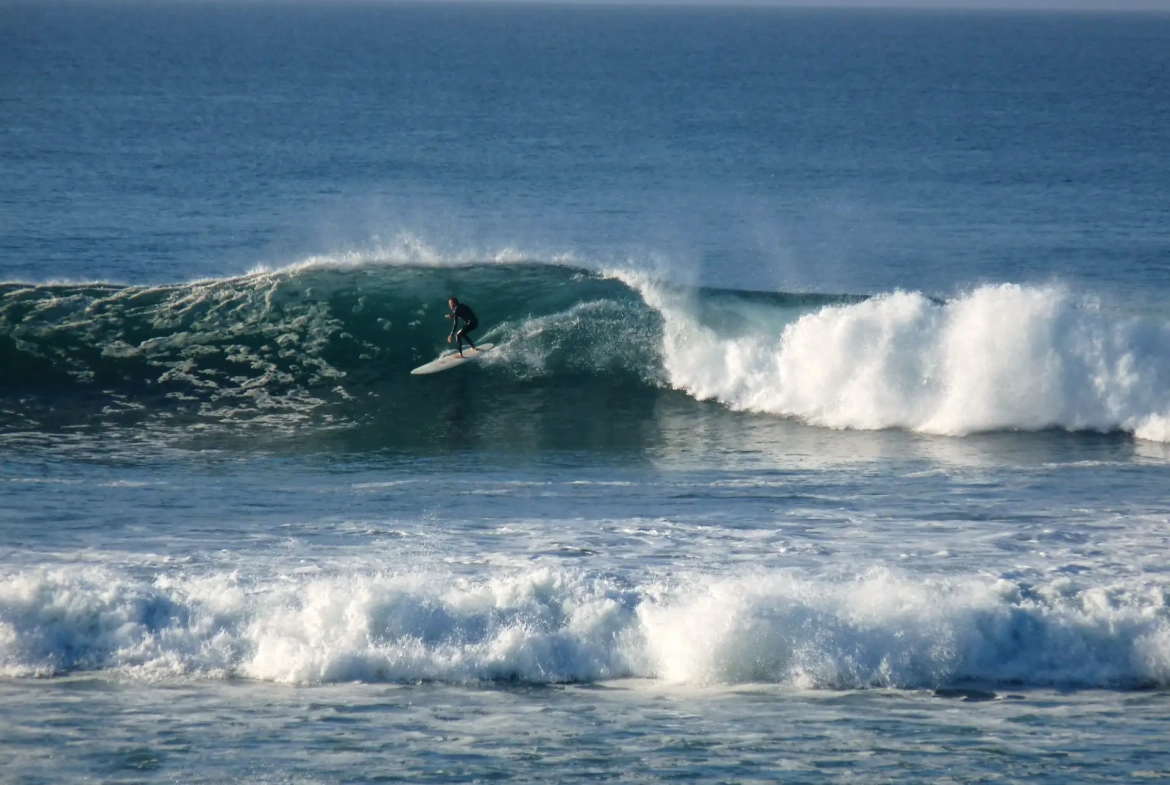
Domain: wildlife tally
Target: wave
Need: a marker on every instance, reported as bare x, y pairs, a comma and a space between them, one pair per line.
1002, 357
554, 625
327, 345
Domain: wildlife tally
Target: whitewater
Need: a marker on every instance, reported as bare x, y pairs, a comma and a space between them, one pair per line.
557, 625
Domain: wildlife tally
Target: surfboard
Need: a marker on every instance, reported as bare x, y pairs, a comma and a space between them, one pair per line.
451, 360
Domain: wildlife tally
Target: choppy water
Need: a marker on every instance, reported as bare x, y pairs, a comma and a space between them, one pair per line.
827, 437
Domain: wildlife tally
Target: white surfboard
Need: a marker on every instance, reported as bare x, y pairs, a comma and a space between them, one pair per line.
451, 360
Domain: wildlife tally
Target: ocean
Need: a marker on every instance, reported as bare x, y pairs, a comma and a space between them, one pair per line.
826, 439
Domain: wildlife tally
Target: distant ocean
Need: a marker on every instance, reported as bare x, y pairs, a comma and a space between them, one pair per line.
826, 439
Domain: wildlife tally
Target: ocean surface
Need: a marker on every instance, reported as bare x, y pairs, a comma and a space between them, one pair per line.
827, 438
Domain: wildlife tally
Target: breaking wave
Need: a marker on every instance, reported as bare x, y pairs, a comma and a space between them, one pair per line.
1003, 357
328, 345
549, 625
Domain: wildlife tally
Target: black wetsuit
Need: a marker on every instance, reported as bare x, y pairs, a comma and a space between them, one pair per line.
461, 311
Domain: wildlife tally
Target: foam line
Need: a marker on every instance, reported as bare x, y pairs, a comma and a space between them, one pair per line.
551, 624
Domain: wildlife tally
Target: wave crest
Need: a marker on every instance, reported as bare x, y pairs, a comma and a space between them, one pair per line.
999, 358
551, 625
329, 344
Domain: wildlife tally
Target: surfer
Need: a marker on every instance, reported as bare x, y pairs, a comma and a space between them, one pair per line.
461, 311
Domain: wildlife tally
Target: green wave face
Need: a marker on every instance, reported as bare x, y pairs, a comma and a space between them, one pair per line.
322, 347
305, 326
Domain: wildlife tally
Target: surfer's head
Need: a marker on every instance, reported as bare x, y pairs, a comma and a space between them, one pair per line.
452, 301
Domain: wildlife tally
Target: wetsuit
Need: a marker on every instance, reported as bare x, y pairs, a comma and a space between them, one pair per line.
461, 311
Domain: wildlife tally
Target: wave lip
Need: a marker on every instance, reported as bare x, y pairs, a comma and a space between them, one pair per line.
554, 625
1002, 357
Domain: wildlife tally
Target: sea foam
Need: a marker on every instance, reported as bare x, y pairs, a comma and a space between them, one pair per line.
550, 624
1000, 357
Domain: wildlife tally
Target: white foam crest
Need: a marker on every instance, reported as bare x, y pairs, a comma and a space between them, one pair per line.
552, 624
1000, 357
543, 626
882, 630
59, 620
540, 626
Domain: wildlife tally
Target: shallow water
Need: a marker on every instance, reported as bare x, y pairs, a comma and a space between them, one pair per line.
248, 732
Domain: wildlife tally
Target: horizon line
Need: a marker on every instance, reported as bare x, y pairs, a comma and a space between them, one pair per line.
1102, 6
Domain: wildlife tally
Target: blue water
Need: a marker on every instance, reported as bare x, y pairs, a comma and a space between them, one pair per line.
826, 437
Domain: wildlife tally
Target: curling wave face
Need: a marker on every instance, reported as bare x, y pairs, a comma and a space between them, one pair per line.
323, 347
320, 345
